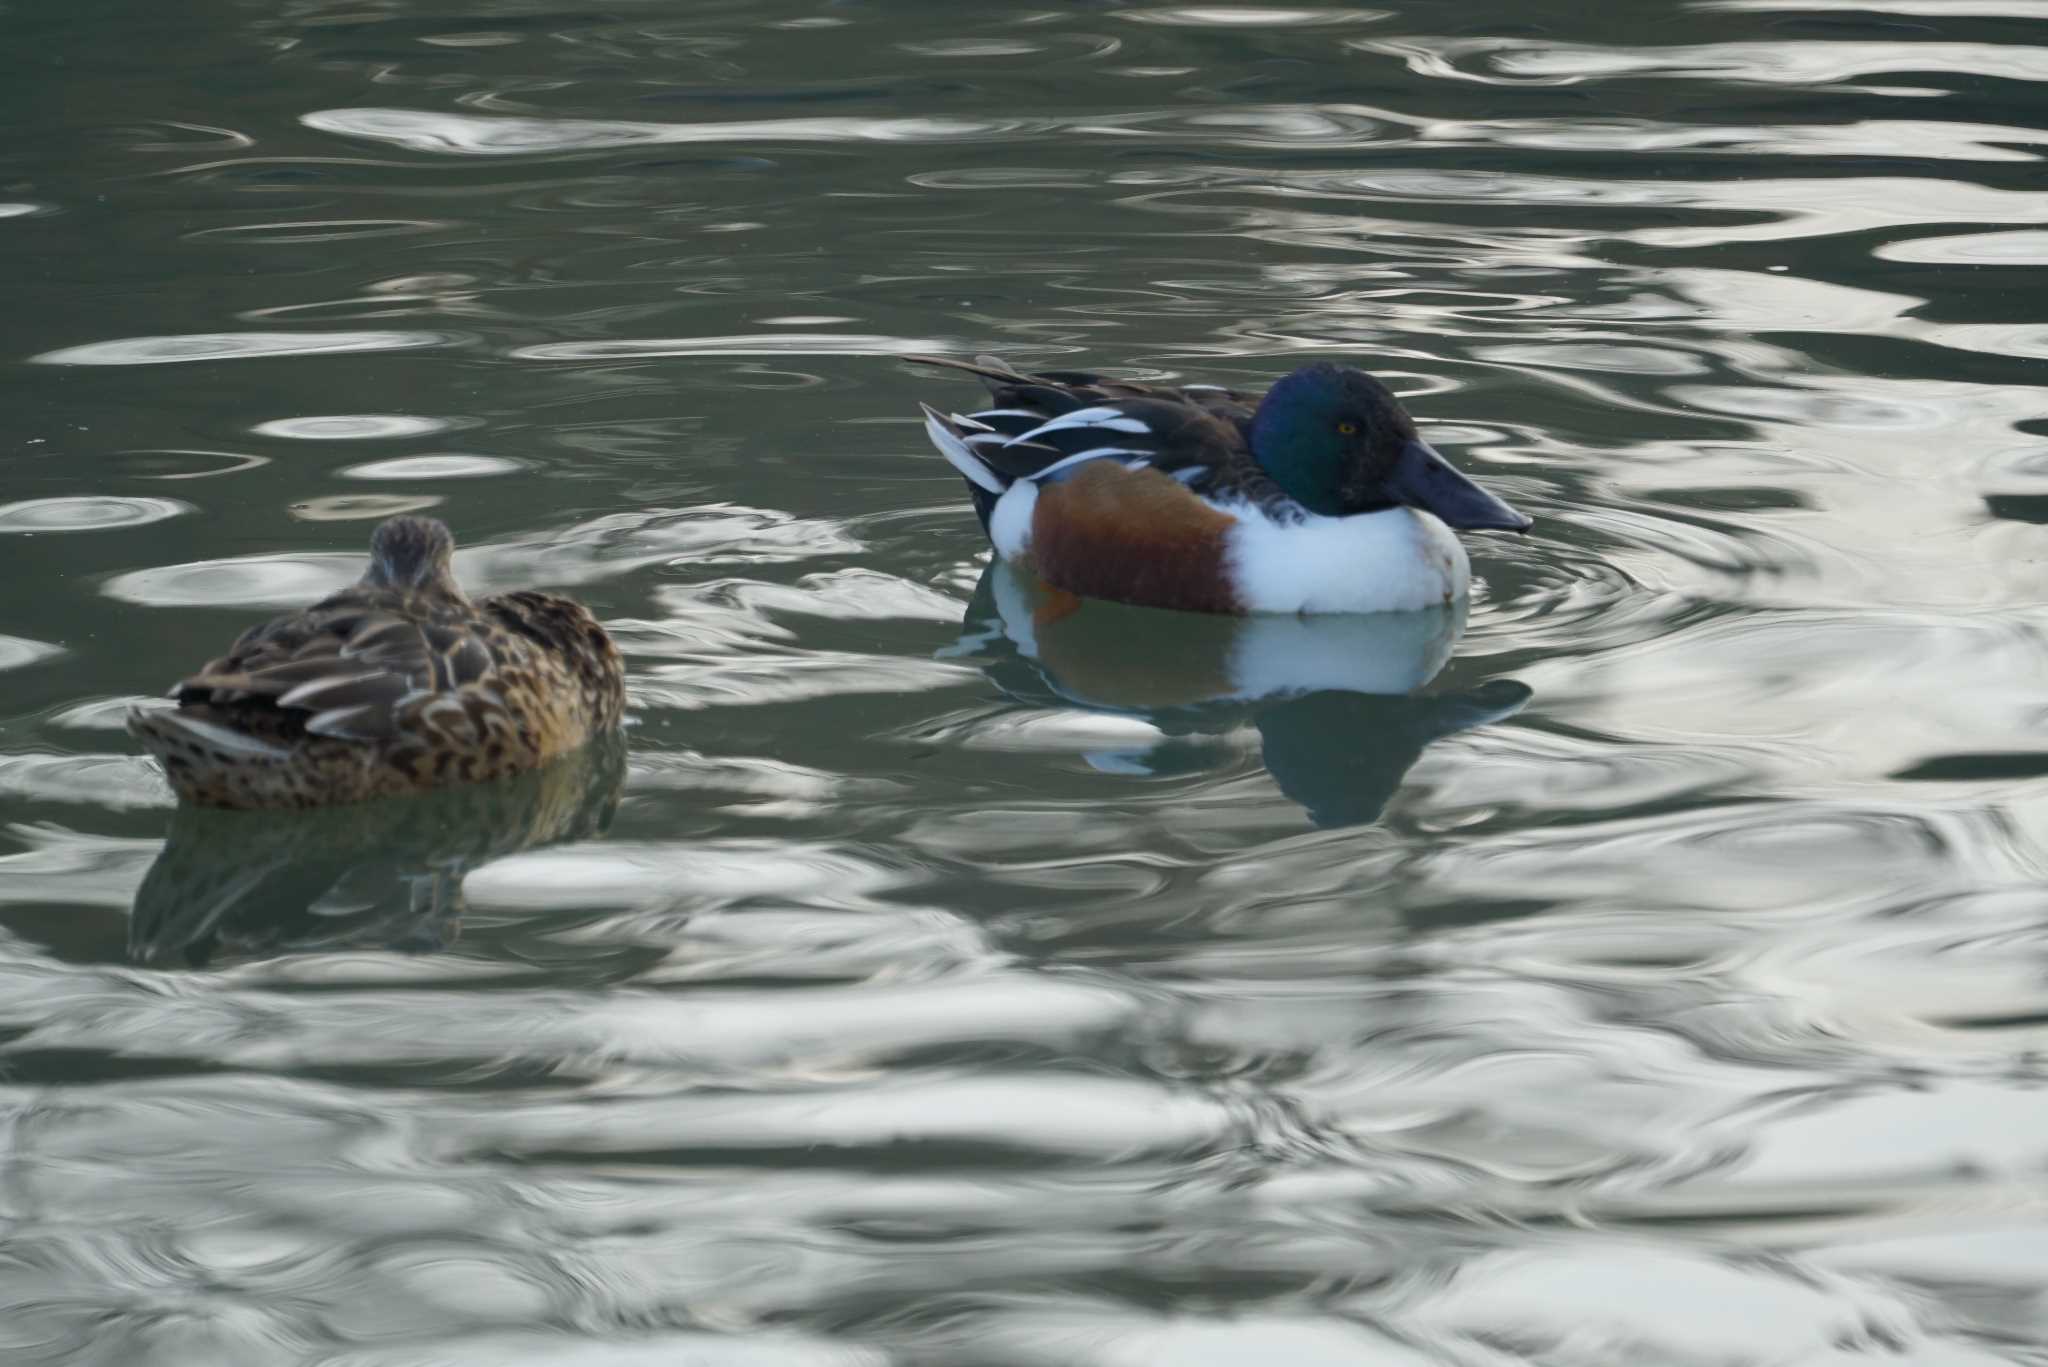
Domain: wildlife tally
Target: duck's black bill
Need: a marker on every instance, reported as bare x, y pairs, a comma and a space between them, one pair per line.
1423, 479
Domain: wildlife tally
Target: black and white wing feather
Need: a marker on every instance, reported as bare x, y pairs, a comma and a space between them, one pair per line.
1044, 426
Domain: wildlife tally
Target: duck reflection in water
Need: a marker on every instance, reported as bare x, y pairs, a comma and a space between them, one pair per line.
1336, 699
249, 885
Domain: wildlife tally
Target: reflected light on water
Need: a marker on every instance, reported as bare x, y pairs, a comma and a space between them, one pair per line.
1639, 964
224, 346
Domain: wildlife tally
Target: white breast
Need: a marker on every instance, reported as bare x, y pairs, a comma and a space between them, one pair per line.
1393, 561
1009, 522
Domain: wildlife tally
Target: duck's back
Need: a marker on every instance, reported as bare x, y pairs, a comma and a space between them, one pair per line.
552, 652
376, 692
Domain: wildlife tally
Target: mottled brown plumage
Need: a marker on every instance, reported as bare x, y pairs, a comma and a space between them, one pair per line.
398, 684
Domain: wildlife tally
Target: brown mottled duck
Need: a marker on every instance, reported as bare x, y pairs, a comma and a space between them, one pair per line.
398, 684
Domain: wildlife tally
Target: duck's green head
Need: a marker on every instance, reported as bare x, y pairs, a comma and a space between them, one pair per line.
1338, 442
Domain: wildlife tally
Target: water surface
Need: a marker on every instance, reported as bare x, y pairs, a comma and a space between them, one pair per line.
1645, 965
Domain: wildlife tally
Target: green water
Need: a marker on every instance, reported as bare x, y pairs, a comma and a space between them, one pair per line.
1646, 966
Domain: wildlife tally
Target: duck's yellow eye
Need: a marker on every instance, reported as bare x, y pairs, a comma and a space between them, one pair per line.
1348, 429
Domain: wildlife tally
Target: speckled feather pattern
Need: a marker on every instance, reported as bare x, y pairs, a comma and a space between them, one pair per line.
387, 689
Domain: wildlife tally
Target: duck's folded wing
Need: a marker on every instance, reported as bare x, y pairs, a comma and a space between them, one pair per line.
1045, 425
352, 674
1175, 438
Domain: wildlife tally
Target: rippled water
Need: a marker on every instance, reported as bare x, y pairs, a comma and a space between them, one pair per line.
1646, 967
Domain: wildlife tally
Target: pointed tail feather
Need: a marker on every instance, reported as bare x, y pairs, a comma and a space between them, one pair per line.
993, 368
166, 731
945, 433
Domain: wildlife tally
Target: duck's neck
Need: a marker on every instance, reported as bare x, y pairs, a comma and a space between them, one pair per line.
1299, 455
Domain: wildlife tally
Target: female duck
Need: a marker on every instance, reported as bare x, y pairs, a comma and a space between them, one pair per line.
398, 684
1318, 498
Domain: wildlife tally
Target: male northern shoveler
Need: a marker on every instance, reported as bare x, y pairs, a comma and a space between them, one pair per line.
1320, 497
397, 684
